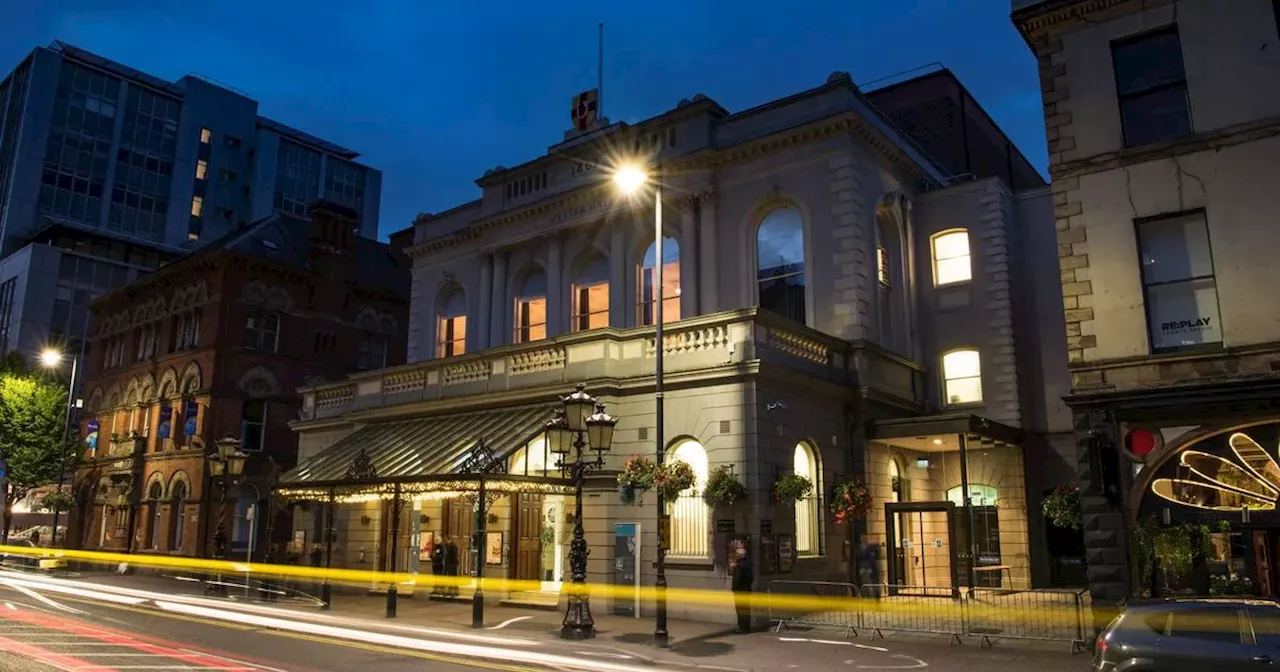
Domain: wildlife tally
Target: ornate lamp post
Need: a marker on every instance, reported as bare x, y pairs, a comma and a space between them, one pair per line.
226, 464
573, 431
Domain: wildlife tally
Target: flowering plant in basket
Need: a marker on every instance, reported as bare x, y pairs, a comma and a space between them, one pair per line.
636, 477
672, 478
850, 500
723, 488
1062, 506
791, 488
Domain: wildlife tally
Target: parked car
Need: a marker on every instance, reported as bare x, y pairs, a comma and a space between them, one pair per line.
29, 562
1191, 635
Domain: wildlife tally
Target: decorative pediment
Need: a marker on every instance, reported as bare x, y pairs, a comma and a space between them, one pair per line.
259, 382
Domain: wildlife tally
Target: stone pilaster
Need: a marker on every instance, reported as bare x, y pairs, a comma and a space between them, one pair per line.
1106, 542
555, 284
479, 336
499, 306
853, 275
1001, 355
709, 301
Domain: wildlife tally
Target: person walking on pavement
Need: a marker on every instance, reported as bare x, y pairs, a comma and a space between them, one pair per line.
437, 568
743, 578
451, 565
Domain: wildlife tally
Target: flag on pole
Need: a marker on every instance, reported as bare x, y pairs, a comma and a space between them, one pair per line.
585, 109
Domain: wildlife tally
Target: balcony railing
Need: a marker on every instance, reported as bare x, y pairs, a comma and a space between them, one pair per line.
723, 342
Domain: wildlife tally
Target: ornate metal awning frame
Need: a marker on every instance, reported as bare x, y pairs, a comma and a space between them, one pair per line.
362, 483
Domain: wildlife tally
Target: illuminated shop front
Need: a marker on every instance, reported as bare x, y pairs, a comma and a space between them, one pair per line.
1220, 483
433, 470
919, 471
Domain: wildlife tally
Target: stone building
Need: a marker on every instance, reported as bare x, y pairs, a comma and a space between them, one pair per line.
213, 346
1162, 123
836, 306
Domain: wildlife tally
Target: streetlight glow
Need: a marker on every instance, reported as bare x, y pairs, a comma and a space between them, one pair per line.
50, 358
629, 179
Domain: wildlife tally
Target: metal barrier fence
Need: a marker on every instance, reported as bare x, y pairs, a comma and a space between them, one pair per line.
826, 604
1039, 614
937, 610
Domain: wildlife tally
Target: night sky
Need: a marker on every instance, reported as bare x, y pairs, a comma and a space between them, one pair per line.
434, 92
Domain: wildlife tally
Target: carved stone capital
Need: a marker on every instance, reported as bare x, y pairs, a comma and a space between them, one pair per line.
709, 197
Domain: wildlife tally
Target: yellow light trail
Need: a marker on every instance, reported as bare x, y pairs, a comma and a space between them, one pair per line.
938, 607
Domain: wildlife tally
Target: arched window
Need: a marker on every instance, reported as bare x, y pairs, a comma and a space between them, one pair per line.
451, 324
689, 512
154, 534
962, 377
177, 513
897, 483
531, 308
951, 258
979, 495
591, 295
670, 282
808, 521
780, 272
533, 459
889, 276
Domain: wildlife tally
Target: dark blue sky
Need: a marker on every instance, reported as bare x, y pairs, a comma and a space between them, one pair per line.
433, 92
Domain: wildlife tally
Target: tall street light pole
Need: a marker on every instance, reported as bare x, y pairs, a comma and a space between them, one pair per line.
50, 359
629, 180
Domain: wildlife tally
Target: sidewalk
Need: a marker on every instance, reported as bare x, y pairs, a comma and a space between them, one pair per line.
693, 644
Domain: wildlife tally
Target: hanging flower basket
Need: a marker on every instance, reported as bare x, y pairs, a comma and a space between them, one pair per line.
1062, 506
851, 500
636, 477
673, 478
630, 495
723, 488
791, 488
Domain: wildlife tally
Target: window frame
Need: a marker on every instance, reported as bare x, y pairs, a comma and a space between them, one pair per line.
694, 507
646, 312
246, 424
261, 331
802, 273
1122, 97
934, 259
1146, 297
946, 397
811, 505
366, 350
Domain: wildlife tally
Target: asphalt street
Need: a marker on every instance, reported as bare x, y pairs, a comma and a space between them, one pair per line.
37, 636
60, 630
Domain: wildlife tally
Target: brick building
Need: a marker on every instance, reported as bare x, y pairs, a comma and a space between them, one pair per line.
211, 347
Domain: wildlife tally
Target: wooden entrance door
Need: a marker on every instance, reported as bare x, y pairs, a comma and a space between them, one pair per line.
459, 521
528, 534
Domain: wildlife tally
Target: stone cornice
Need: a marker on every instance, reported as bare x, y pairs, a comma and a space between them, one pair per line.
830, 127
1199, 142
1038, 19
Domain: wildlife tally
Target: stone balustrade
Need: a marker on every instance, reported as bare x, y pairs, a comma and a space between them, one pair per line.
722, 342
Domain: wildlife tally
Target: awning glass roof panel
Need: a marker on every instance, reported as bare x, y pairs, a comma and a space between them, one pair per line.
427, 446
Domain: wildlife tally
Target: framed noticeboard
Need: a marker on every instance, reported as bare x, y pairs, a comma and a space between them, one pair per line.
626, 563
493, 548
786, 553
768, 562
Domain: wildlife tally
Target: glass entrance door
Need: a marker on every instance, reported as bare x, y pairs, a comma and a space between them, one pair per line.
923, 548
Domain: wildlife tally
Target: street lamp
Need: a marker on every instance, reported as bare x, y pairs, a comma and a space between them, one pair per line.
572, 431
226, 464
629, 179
51, 358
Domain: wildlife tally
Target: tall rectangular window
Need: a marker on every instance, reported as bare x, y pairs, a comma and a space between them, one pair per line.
951, 262
1152, 87
531, 319
452, 336
197, 206
373, 352
262, 331
253, 422
962, 377
206, 136
1178, 282
591, 306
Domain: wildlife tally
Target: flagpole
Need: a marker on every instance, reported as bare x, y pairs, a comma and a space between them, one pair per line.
600, 74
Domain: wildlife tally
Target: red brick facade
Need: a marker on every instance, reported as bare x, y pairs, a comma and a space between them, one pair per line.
200, 331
